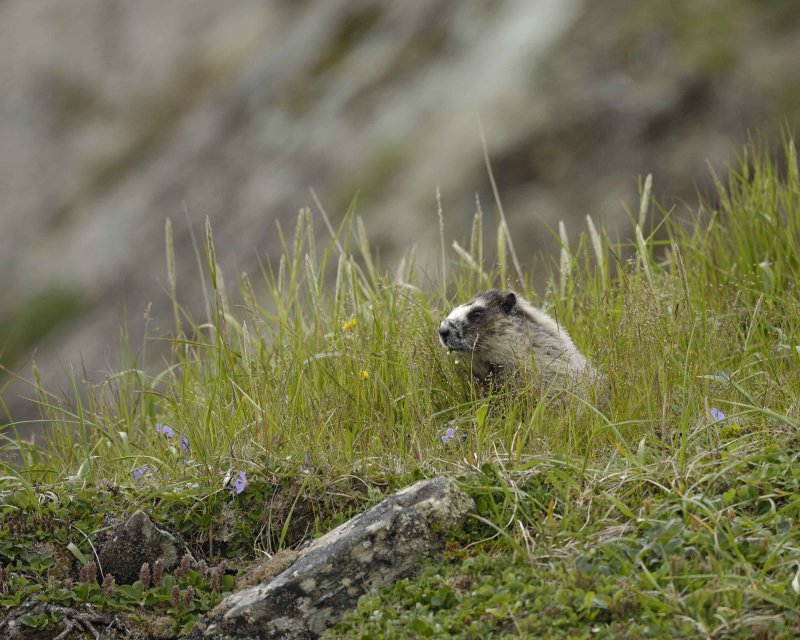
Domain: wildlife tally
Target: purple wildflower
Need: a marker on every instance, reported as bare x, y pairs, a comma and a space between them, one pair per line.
139, 473
449, 435
184, 443
165, 429
717, 414
241, 483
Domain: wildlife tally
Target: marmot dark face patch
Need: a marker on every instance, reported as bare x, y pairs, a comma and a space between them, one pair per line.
463, 327
452, 328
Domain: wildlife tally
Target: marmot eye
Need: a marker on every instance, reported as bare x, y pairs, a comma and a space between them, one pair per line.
475, 314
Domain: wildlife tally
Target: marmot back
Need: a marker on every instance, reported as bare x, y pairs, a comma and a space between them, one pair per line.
502, 333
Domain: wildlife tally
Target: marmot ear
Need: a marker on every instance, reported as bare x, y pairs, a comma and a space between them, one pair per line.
507, 302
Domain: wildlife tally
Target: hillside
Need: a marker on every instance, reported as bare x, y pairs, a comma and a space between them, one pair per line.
117, 115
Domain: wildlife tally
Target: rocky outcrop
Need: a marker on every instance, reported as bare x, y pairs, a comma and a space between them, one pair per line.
370, 551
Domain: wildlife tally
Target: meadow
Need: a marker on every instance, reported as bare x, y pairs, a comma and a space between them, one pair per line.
670, 510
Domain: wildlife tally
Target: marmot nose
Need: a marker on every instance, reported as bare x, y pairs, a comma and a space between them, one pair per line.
444, 331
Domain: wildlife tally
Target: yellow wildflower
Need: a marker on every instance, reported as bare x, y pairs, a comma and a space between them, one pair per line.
363, 374
349, 324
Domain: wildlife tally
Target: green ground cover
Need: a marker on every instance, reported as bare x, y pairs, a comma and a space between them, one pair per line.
668, 511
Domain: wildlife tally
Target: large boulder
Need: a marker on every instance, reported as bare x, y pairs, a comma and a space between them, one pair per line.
372, 550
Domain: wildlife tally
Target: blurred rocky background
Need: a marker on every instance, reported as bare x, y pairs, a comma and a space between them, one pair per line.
115, 115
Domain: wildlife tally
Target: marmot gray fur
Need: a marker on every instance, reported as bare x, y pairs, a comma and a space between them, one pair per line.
502, 333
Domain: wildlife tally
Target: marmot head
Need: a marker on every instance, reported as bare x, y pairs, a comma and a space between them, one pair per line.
476, 325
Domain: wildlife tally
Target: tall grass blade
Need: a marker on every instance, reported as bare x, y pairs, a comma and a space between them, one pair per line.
504, 224
565, 261
644, 201
171, 277
599, 252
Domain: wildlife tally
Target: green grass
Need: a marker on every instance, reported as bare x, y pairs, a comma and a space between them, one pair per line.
670, 510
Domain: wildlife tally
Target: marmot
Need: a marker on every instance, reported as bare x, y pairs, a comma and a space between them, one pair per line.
503, 333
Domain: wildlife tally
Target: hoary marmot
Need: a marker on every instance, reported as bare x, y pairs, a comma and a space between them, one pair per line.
501, 333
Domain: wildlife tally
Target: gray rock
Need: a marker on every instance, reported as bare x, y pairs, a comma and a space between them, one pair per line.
124, 550
372, 550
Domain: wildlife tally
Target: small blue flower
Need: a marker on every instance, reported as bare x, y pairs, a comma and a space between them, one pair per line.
184, 443
717, 414
450, 434
165, 429
721, 375
241, 483
138, 474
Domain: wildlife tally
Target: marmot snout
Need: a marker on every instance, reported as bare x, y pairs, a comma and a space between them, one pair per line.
503, 333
